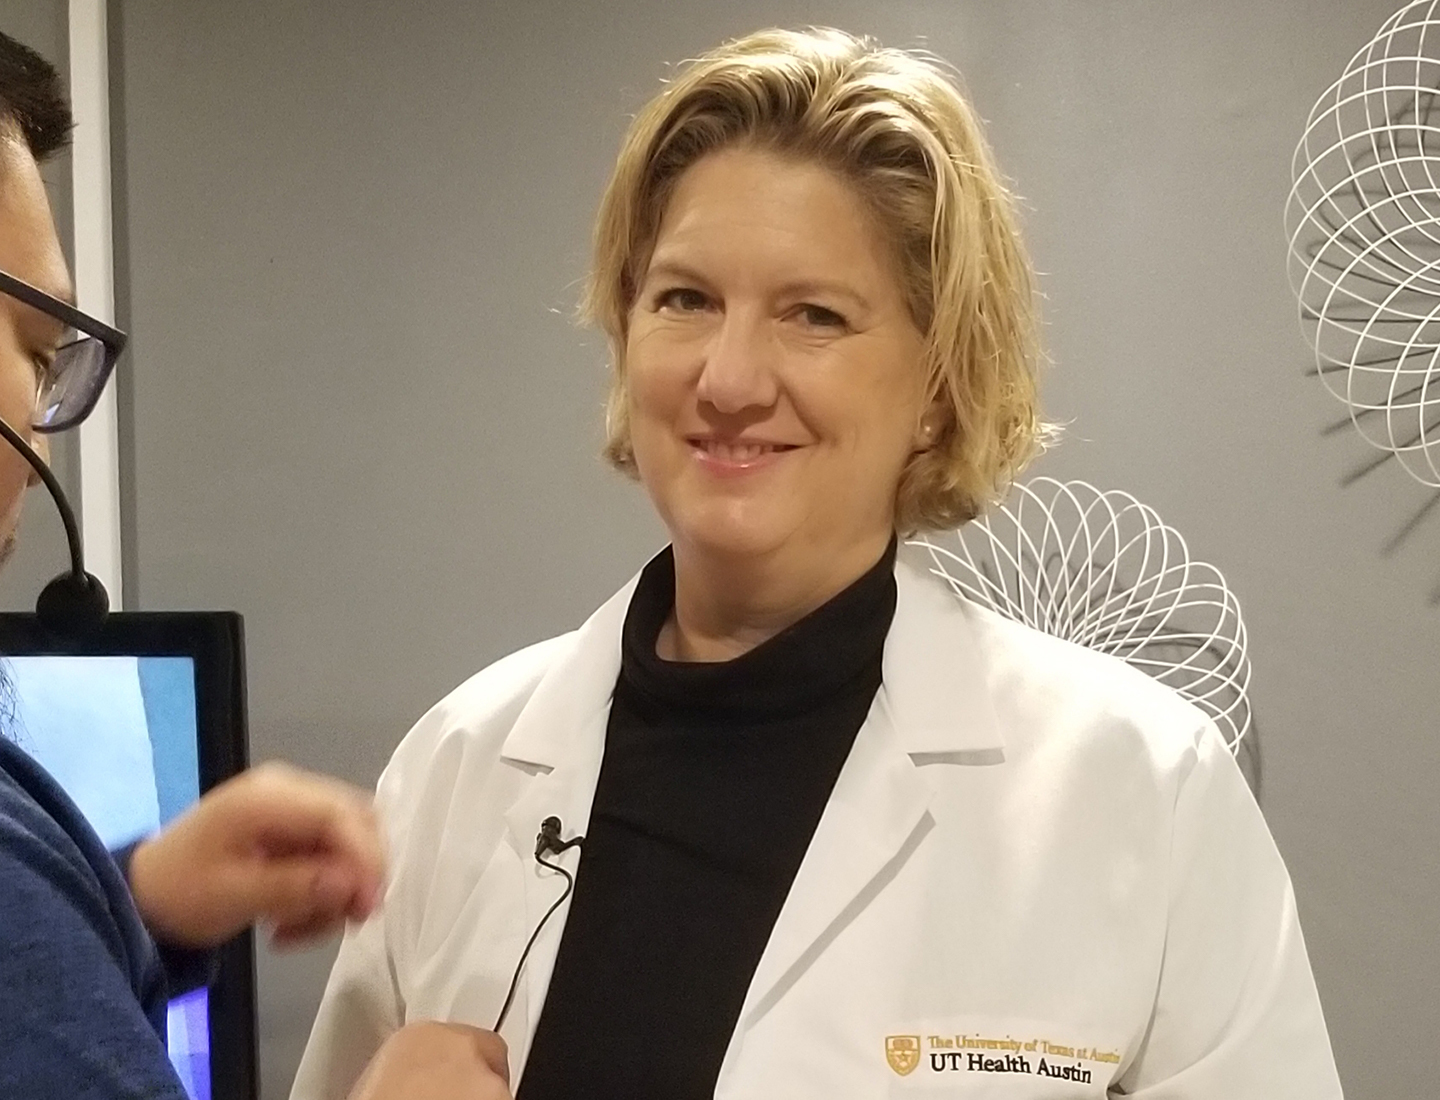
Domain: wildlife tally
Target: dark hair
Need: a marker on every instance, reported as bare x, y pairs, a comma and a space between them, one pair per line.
33, 104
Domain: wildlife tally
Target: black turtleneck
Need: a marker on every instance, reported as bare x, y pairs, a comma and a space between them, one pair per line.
713, 781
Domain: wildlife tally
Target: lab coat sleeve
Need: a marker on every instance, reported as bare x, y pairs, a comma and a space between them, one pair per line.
1237, 1015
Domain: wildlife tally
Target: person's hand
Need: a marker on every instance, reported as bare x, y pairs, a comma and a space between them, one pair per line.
430, 1060
274, 845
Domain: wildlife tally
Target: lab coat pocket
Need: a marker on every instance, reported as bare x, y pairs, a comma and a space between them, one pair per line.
1000, 1059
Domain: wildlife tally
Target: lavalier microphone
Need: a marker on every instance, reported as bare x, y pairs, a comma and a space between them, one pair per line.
547, 841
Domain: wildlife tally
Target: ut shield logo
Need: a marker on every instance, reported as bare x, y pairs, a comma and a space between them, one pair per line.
903, 1053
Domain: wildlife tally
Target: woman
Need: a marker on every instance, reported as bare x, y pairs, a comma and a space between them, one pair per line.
845, 835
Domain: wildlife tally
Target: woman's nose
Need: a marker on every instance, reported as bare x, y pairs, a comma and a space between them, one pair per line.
739, 370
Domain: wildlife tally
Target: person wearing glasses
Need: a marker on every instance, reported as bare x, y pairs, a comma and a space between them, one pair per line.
92, 946
72, 377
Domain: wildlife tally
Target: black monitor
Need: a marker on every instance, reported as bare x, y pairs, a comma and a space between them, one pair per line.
135, 721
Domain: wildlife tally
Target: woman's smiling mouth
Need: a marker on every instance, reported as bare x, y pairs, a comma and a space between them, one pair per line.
723, 456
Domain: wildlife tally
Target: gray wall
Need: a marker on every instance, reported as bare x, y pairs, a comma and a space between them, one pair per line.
361, 416
41, 552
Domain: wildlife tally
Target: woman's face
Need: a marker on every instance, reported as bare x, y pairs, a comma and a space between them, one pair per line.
773, 369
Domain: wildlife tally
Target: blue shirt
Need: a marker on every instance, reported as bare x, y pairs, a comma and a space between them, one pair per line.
83, 986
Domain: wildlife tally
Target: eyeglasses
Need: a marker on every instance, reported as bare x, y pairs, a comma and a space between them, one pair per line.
75, 379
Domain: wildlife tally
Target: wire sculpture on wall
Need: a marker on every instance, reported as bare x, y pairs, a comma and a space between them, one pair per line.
1102, 569
1363, 220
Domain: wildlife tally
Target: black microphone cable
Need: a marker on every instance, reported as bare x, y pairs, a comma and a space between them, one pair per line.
74, 602
548, 840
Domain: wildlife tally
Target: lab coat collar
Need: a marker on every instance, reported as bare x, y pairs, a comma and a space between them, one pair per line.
934, 676
572, 690
933, 680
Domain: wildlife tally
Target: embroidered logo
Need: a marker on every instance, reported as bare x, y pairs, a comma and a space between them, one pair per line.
903, 1053
992, 1051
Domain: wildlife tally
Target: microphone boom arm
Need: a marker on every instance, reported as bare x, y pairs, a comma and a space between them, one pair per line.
74, 602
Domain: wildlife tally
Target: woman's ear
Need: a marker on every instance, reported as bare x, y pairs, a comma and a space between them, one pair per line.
928, 430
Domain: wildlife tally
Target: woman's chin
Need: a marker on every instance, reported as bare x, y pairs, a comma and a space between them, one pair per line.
729, 537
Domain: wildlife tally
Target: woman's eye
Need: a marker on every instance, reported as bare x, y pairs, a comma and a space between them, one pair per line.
682, 299
820, 317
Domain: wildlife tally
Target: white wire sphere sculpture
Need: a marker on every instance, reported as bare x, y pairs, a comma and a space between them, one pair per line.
1363, 219
1102, 569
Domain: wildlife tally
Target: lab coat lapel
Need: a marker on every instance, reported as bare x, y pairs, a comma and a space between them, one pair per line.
878, 804
558, 739
933, 709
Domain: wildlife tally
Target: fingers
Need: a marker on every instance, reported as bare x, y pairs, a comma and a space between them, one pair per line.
308, 812
298, 892
301, 914
273, 844
296, 820
285, 937
431, 1060
492, 1050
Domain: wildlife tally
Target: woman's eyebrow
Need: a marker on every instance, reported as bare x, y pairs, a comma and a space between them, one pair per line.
673, 269
824, 288
798, 288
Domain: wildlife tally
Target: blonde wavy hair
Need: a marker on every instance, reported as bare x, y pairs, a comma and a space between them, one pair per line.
896, 127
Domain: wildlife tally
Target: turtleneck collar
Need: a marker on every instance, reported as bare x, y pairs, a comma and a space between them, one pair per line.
797, 670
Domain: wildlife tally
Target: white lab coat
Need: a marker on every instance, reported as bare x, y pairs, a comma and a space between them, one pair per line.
1040, 875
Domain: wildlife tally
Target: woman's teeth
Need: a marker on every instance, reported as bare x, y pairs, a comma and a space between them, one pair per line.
737, 452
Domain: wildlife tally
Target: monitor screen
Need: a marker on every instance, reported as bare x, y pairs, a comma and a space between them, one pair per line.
134, 733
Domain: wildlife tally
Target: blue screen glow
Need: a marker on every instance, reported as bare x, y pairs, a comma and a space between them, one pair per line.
119, 734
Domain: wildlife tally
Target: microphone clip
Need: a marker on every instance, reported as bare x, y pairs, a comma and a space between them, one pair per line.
548, 838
